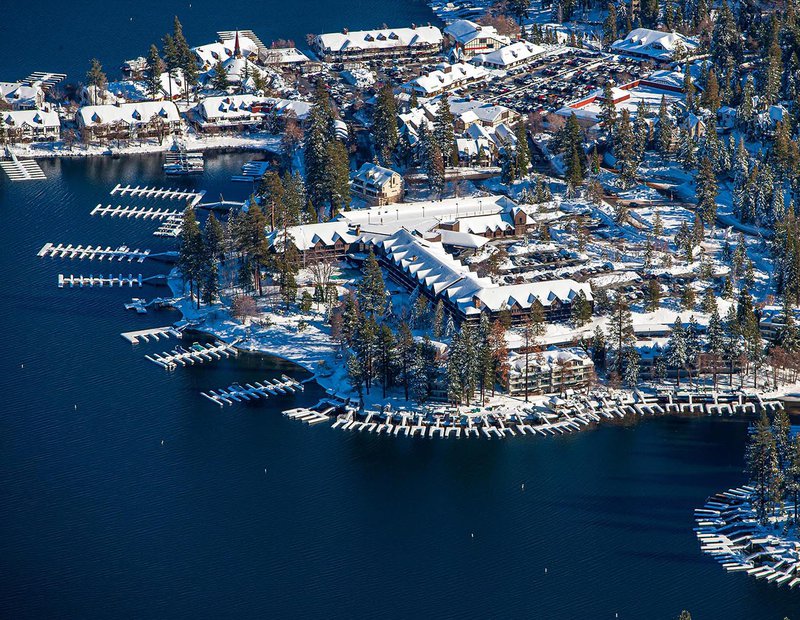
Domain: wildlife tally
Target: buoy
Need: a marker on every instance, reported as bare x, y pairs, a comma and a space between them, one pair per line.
472, 535
523, 486
162, 442
76, 407
22, 365
545, 571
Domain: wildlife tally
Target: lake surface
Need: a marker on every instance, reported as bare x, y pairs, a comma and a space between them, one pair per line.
51, 35
99, 519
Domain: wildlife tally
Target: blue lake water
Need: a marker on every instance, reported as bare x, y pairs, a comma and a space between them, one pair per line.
98, 519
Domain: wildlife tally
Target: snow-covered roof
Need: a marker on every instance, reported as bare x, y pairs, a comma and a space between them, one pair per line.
464, 31
140, 112
409, 214
431, 266
284, 56
238, 106
545, 361
419, 36
20, 95
306, 236
510, 55
653, 43
374, 175
447, 76
31, 118
222, 50
462, 239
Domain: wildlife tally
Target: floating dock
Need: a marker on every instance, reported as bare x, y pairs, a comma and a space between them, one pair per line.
182, 162
99, 281
145, 213
141, 305
22, 169
252, 171
196, 354
253, 391
158, 192
171, 227
91, 252
155, 333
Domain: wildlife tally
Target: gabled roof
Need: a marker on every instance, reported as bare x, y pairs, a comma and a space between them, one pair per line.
137, 112
379, 39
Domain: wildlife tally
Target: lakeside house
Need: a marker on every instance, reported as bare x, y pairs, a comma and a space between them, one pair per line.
377, 185
471, 39
413, 42
242, 112
549, 372
143, 119
22, 95
29, 126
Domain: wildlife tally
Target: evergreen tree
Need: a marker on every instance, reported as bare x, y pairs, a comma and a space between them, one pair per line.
631, 370
406, 354
762, 467
385, 124
608, 110
385, 350
653, 295
155, 67
185, 58
318, 135
581, 310
191, 254
707, 192
716, 341
337, 174
625, 151
666, 128
96, 81
219, 81
372, 288
677, 355
443, 135
522, 152
620, 330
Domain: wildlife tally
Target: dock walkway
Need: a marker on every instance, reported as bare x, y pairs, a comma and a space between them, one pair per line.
22, 169
155, 333
253, 391
196, 354
158, 192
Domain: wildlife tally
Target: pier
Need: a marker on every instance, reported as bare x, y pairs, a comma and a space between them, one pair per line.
171, 227
141, 305
252, 171
196, 354
91, 252
22, 169
157, 192
99, 281
182, 162
146, 213
253, 391
154, 333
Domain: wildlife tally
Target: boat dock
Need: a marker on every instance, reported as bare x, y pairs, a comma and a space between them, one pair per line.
157, 192
252, 171
155, 333
91, 252
171, 227
22, 169
196, 354
182, 162
99, 281
141, 305
145, 213
253, 391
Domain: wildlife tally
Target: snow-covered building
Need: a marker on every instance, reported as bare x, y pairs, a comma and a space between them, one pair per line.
223, 50
510, 56
143, 119
549, 372
416, 41
238, 112
29, 126
377, 185
653, 44
283, 57
446, 77
22, 96
425, 265
470, 38
317, 241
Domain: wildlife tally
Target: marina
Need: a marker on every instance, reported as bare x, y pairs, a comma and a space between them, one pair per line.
22, 169
154, 333
237, 393
96, 252
182, 162
72, 281
197, 353
138, 191
252, 172
145, 213
140, 306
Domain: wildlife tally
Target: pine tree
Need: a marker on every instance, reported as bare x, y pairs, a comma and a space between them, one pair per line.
707, 192
96, 81
438, 320
625, 151
385, 124
185, 58
762, 467
677, 355
155, 67
774, 71
219, 80
191, 255
337, 173
522, 152
386, 344
630, 373
319, 133
653, 295
372, 288
443, 135
666, 129
608, 110
716, 340
406, 354
581, 310
620, 329
610, 25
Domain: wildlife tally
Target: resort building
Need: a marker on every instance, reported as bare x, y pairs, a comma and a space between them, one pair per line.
471, 39
417, 263
654, 45
143, 119
510, 56
549, 372
240, 112
324, 240
22, 96
446, 77
377, 185
29, 126
414, 42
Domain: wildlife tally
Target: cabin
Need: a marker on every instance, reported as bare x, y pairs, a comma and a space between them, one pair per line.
377, 185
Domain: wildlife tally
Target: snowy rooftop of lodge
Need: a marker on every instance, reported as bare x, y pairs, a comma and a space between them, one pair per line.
30, 118
235, 106
433, 267
130, 113
653, 43
384, 38
510, 55
408, 213
445, 77
465, 32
